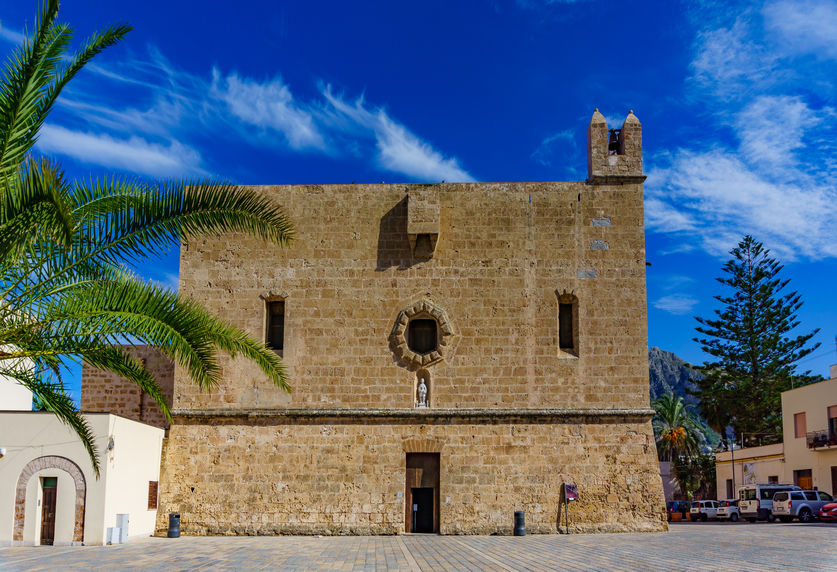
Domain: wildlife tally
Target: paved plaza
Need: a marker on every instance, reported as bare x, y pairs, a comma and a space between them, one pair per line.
693, 546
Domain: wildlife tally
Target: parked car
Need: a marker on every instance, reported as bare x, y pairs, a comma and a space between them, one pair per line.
679, 506
756, 501
804, 505
728, 510
703, 510
828, 512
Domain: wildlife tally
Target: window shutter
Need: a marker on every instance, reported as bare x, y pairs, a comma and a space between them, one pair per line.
152, 495
799, 425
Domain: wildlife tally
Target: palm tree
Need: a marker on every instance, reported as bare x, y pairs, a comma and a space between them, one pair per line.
65, 291
675, 430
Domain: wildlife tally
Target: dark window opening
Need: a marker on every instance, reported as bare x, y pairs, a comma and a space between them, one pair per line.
565, 327
152, 495
276, 325
50, 482
421, 336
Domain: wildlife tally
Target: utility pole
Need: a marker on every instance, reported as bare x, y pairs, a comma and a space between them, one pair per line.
732, 453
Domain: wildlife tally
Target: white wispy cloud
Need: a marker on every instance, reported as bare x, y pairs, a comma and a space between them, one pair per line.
399, 150
777, 178
729, 64
716, 197
156, 137
773, 128
803, 26
676, 304
133, 154
268, 105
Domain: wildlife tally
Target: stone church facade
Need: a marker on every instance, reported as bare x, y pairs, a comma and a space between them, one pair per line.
457, 352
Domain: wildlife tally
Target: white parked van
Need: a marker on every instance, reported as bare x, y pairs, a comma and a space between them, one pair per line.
756, 501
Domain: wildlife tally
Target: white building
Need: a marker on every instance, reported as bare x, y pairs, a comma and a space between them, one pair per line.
807, 455
48, 491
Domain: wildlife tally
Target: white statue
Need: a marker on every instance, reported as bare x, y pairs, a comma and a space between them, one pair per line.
422, 391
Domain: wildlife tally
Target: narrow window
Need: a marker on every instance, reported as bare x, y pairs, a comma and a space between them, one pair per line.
421, 336
276, 325
565, 327
799, 427
152, 495
567, 333
773, 479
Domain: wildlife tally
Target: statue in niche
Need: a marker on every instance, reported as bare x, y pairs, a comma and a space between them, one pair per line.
422, 394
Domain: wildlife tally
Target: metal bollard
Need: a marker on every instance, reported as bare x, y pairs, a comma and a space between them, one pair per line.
174, 525
519, 523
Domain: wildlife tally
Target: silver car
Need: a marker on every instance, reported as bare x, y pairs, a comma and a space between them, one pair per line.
804, 505
728, 510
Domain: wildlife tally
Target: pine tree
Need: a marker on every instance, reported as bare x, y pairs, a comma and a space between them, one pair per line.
754, 355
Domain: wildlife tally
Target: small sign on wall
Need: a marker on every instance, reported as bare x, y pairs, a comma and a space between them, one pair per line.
570, 492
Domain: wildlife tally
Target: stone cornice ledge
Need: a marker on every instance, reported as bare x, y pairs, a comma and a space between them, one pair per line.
419, 415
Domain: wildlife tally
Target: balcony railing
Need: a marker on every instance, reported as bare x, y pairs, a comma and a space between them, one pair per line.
819, 439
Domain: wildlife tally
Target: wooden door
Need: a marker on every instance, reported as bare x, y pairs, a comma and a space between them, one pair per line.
48, 513
422, 489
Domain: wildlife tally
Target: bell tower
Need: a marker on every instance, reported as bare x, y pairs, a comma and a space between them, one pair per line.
614, 157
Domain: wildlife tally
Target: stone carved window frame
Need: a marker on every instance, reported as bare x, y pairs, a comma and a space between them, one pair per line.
423, 309
567, 297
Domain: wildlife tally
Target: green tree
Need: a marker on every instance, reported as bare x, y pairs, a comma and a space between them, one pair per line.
696, 475
749, 339
65, 292
675, 429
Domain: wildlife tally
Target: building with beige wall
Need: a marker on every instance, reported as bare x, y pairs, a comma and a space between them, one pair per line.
807, 455
809, 423
49, 493
461, 349
14, 396
752, 465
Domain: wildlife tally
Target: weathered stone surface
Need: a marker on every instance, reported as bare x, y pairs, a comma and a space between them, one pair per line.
255, 463
269, 476
106, 392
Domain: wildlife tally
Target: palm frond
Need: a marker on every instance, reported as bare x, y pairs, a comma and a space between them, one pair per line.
131, 221
117, 360
52, 396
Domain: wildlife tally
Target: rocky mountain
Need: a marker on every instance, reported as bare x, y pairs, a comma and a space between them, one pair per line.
669, 373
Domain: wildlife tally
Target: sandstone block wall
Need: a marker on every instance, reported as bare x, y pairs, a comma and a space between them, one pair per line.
490, 262
326, 477
505, 254
106, 392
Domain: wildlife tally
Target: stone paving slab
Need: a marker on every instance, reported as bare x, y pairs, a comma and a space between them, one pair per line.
692, 546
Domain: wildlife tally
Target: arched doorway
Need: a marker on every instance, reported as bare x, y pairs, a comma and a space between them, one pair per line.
40, 464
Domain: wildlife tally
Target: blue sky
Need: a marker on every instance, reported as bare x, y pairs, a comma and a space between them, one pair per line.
737, 102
